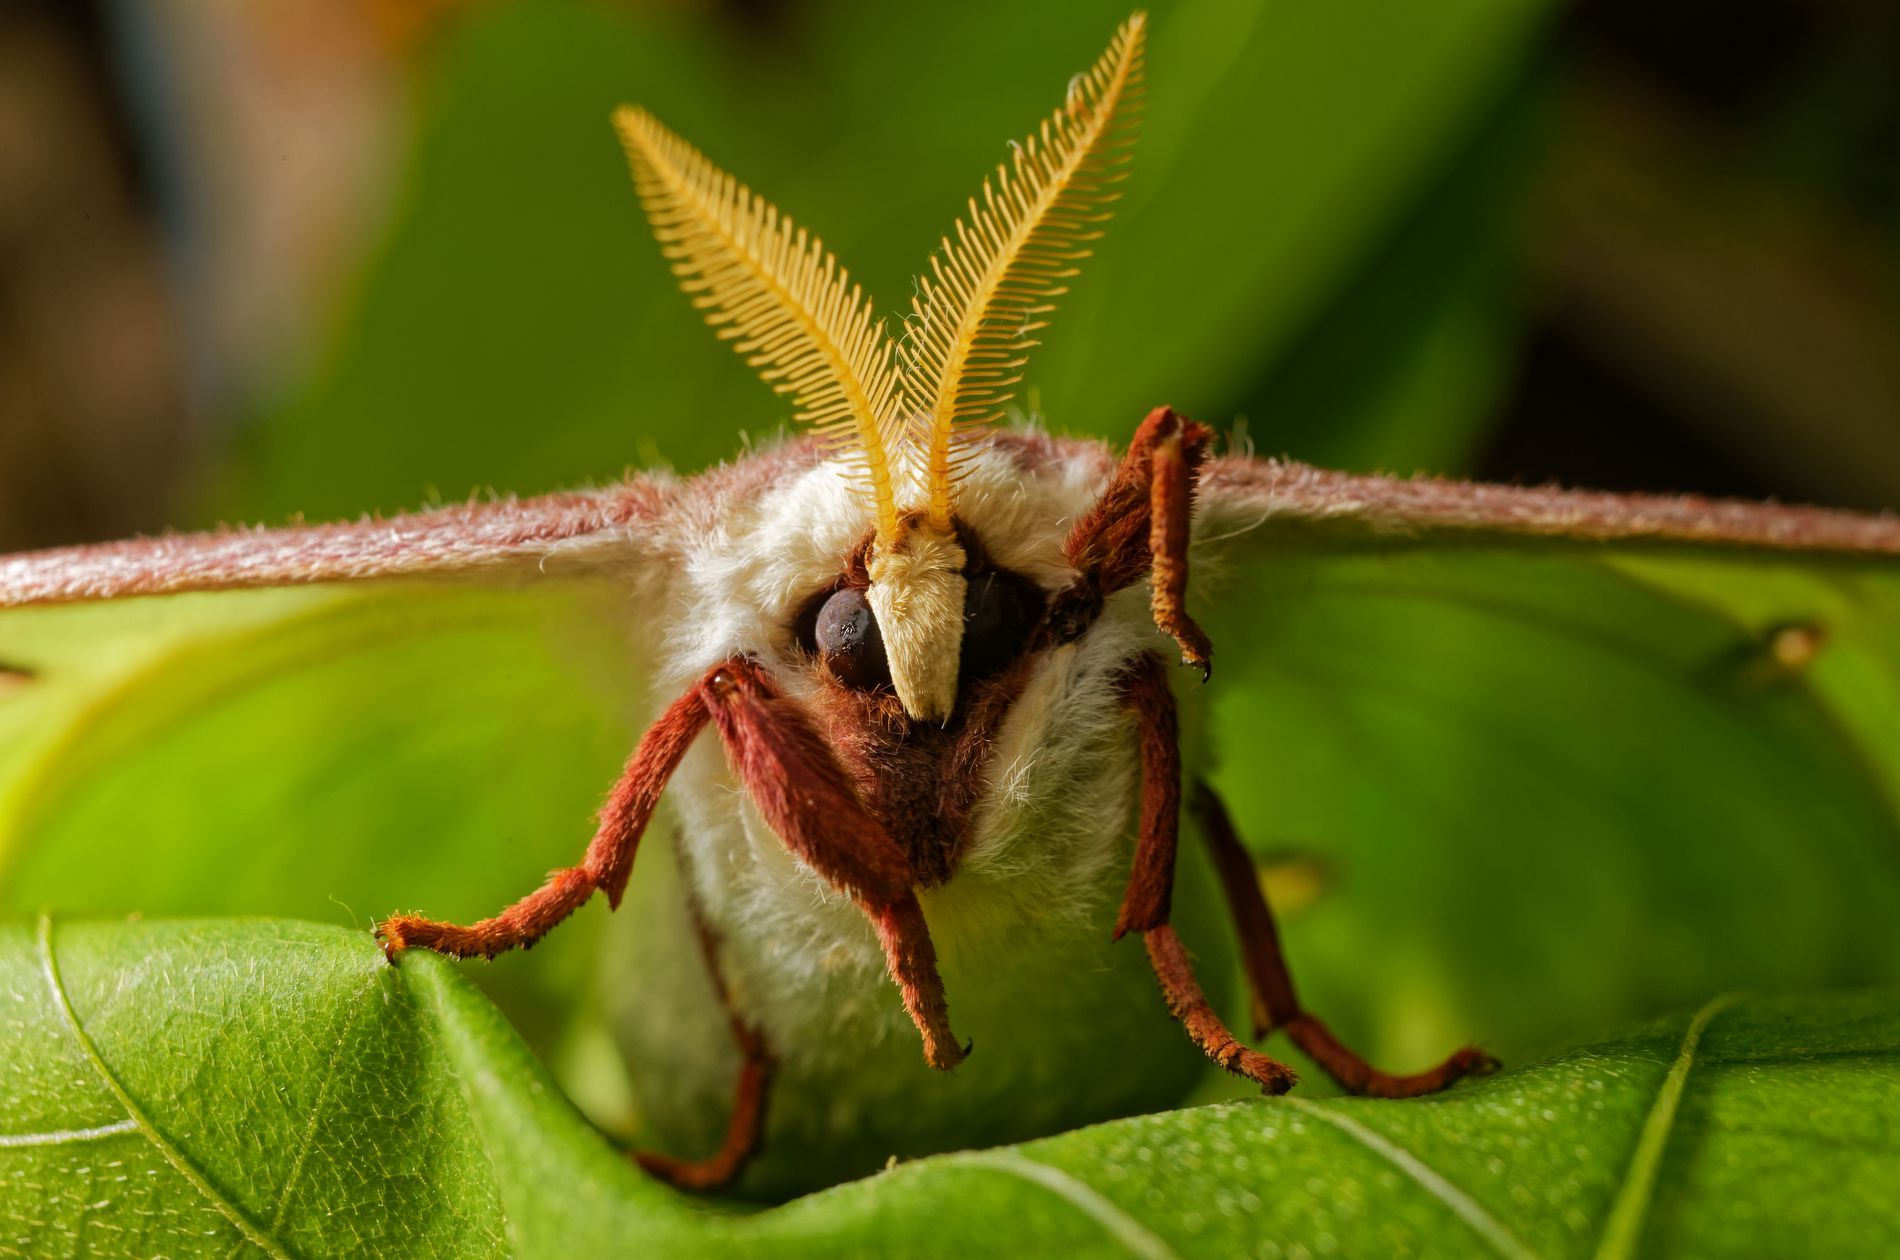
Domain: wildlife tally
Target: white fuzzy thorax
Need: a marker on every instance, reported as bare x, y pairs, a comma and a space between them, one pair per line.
1050, 835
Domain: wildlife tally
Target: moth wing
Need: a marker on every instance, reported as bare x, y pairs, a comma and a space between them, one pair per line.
573, 532
360, 738
1482, 724
1240, 493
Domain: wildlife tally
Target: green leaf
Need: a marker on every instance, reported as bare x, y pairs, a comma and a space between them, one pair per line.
333, 753
157, 1101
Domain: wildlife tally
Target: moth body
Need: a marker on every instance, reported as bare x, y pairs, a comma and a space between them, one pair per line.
1021, 905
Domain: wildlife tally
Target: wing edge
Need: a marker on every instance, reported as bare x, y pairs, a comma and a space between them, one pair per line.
442, 541
1239, 492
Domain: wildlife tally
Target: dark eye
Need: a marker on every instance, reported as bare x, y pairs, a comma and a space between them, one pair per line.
846, 638
999, 611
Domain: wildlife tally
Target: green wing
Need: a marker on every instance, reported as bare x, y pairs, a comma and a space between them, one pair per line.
1548, 760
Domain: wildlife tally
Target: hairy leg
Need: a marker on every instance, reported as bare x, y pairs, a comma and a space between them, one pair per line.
804, 796
807, 799
1150, 885
608, 862
1188, 1004
1138, 528
750, 1095
1179, 447
1275, 1003
1150, 894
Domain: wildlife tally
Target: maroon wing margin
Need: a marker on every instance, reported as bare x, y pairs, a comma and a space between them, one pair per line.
524, 532
1238, 491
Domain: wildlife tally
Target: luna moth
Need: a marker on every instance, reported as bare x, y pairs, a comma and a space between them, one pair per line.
916, 661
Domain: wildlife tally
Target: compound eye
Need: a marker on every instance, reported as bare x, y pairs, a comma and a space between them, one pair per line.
847, 640
999, 611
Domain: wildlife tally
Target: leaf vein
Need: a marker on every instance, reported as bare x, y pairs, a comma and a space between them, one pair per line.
1624, 1228
1434, 1183
49, 966
309, 1138
1125, 1229
64, 1137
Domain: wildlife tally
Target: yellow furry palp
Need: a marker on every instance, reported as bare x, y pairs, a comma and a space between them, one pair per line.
994, 281
778, 295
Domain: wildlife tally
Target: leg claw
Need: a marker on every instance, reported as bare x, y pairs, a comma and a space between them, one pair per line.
389, 934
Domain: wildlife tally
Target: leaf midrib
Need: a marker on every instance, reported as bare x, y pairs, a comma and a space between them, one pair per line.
1629, 1213
1116, 1221
180, 1163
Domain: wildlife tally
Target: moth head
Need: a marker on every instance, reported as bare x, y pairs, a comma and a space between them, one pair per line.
917, 594
983, 617
903, 419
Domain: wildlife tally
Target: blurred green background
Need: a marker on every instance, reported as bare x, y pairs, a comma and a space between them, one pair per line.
323, 258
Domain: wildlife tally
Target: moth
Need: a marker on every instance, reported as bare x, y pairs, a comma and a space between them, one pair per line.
918, 730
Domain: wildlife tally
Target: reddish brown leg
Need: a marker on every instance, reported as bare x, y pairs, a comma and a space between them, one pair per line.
802, 793
1150, 894
750, 1093
1138, 528
608, 862
1150, 885
1173, 466
1187, 1003
1275, 1004
742, 1131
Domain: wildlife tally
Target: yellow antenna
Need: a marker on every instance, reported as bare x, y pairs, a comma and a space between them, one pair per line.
774, 291
988, 291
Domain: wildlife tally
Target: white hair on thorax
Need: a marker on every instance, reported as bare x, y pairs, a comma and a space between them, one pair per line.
1050, 834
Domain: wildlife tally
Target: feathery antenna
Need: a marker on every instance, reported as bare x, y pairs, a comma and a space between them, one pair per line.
991, 287
774, 291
